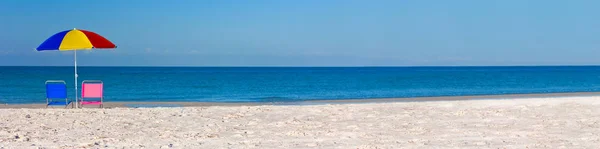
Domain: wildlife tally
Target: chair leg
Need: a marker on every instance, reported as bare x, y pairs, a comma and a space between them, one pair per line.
67, 103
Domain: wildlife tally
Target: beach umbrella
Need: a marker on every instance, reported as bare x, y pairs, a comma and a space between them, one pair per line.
73, 40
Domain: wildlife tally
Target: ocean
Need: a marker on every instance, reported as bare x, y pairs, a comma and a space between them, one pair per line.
280, 84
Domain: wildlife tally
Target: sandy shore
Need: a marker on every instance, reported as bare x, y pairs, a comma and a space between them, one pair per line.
559, 122
112, 104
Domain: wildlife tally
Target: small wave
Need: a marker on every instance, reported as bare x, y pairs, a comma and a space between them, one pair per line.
152, 105
272, 99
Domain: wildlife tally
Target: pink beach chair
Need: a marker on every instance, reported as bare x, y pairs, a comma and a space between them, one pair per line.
91, 93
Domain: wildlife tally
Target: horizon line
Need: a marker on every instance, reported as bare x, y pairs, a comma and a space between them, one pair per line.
313, 66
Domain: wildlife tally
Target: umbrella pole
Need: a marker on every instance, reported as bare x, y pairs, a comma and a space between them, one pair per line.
76, 98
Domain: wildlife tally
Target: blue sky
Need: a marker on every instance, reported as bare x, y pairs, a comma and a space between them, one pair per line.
308, 32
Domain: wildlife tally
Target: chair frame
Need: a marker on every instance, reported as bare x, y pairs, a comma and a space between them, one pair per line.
48, 100
82, 90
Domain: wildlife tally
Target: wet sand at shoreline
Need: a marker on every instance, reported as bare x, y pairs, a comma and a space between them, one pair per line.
142, 104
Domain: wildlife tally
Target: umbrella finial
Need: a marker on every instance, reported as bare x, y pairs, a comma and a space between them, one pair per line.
74, 28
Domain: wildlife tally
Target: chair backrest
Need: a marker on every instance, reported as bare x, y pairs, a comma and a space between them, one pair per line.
91, 89
56, 89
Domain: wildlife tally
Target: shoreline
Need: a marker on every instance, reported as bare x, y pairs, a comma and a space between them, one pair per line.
143, 104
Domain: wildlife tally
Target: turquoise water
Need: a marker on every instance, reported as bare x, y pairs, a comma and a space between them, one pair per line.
280, 84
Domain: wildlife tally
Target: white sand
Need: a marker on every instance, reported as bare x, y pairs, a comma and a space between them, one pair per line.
566, 122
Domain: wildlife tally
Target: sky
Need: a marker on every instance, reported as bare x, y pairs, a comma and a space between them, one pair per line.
307, 32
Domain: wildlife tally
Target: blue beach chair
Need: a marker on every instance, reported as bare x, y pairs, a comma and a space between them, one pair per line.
56, 89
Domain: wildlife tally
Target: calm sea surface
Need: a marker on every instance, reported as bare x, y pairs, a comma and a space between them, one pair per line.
279, 84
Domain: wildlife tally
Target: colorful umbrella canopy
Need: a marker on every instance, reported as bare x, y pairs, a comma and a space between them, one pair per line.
73, 40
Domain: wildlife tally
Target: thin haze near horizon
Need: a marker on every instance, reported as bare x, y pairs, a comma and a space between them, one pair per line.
308, 32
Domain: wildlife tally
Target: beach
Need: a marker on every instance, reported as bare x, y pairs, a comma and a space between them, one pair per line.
299, 74
533, 122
